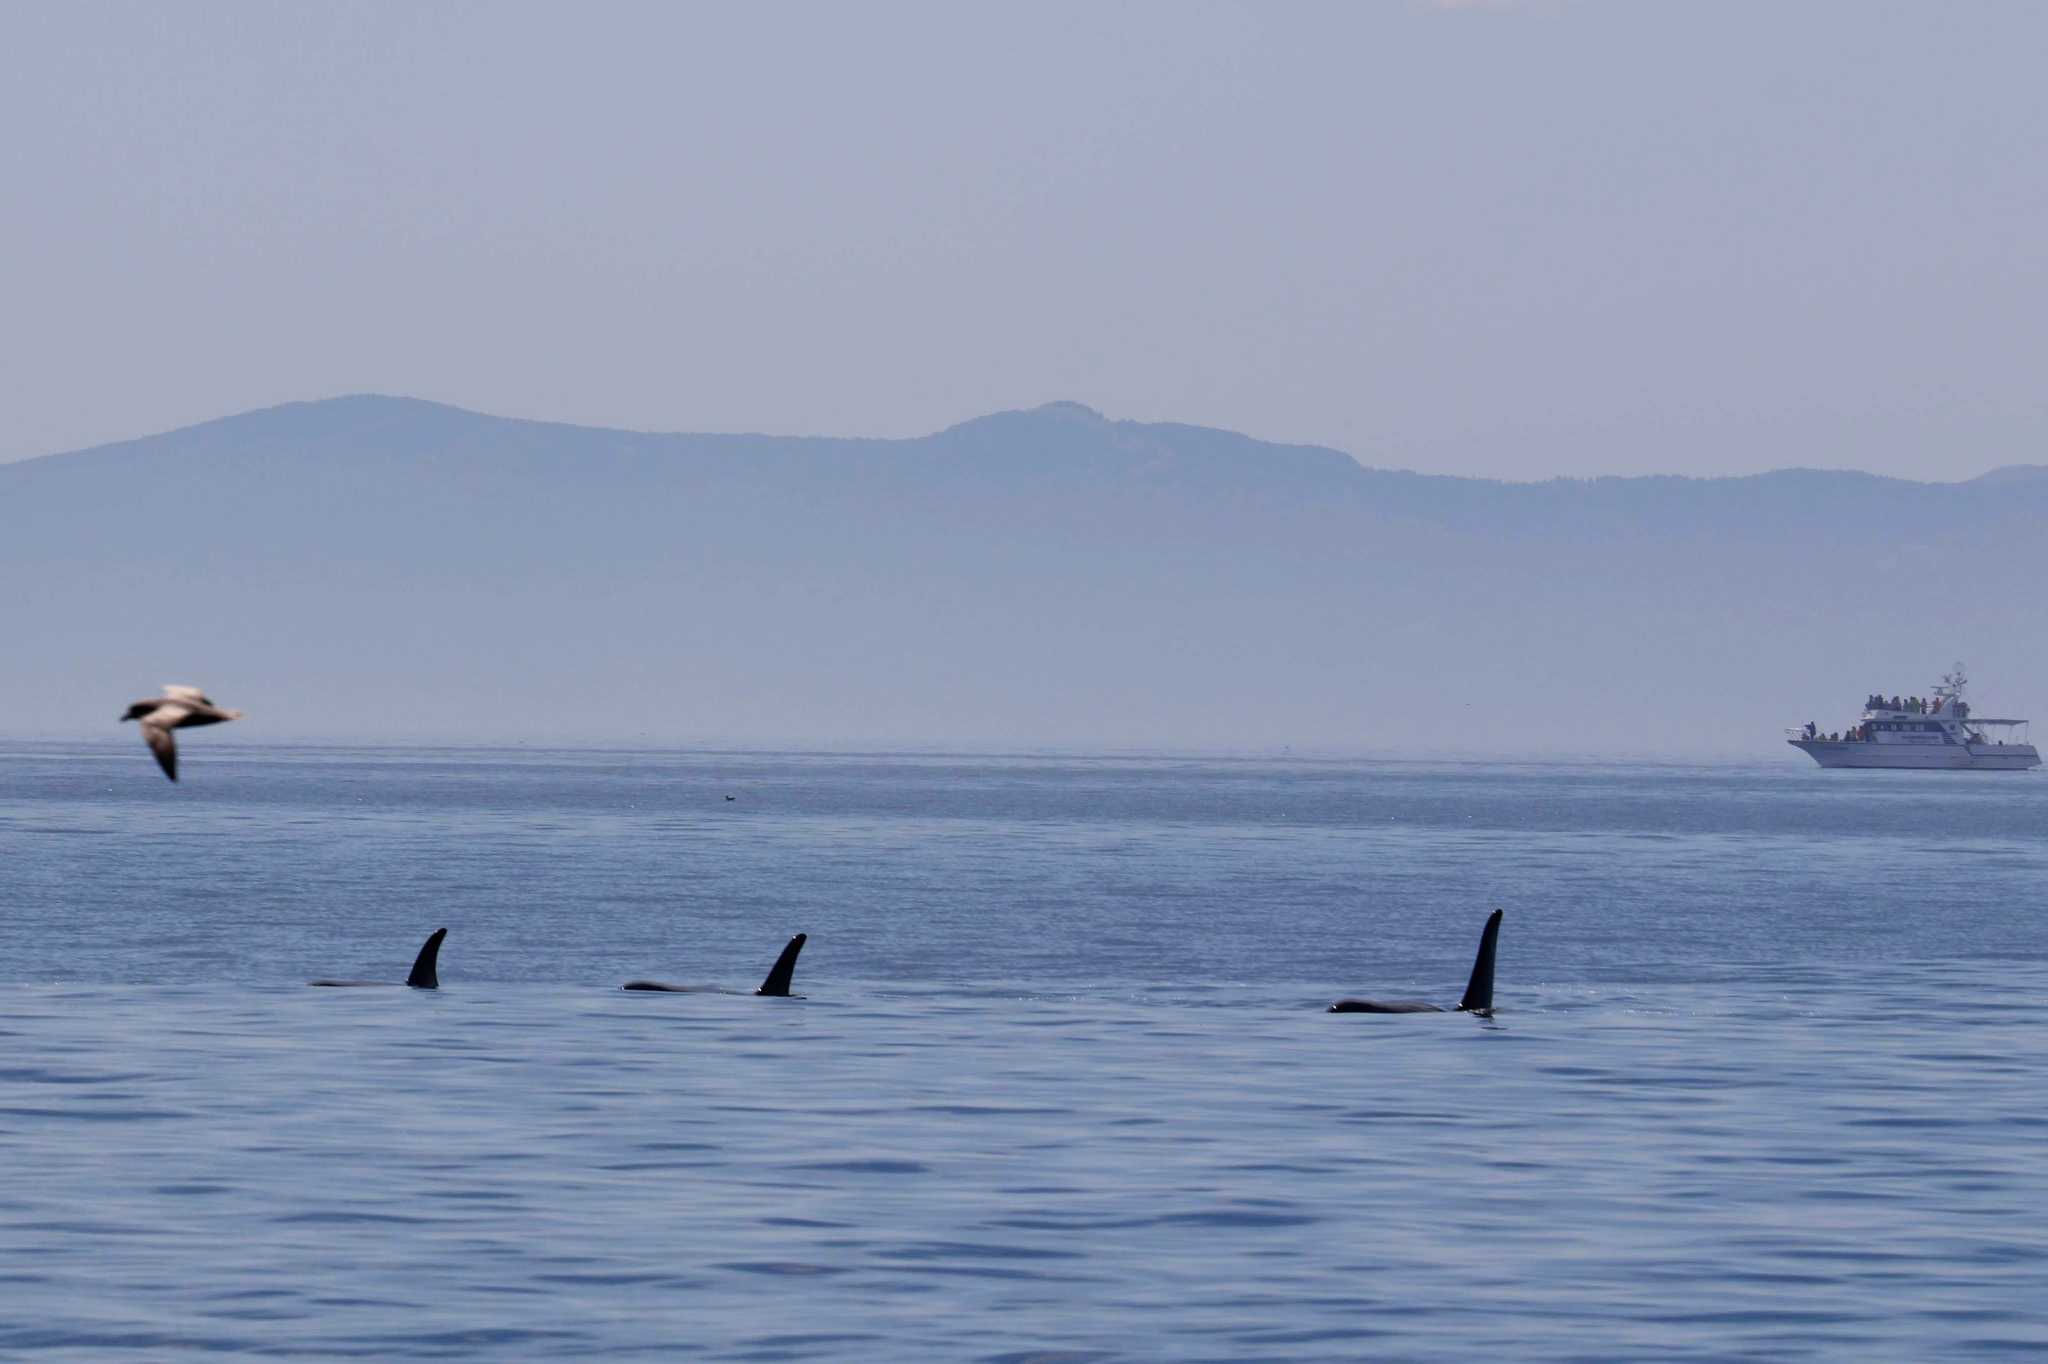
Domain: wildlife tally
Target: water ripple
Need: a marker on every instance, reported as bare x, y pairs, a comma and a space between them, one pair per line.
1763, 1084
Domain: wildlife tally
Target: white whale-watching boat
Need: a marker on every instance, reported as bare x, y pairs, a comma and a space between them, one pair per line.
1930, 732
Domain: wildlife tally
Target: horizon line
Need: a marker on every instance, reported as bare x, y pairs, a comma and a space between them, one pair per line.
990, 750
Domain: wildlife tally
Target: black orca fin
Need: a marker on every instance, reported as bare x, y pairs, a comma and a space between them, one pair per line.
785, 967
423, 977
1479, 990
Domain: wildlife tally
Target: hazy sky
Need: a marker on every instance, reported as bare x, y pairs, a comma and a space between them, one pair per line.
1514, 239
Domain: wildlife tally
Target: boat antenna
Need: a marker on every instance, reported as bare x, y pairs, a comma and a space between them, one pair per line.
1952, 682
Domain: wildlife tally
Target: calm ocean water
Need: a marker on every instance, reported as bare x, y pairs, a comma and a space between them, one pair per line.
1766, 1081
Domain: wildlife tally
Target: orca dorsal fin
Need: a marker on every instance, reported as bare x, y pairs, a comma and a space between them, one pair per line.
1479, 990
423, 977
780, 974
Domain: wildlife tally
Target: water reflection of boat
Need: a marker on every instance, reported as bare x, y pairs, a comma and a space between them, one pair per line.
1936, 731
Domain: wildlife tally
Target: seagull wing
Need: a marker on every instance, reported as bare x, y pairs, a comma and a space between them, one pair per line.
178, 693
158, 737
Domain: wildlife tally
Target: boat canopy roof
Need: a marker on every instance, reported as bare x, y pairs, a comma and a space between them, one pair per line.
1978, 720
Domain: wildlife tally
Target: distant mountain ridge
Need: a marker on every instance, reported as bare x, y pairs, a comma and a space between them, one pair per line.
2013, 473
359, 415
367, 566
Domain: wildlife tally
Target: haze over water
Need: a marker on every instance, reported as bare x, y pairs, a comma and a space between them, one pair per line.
1764, 1082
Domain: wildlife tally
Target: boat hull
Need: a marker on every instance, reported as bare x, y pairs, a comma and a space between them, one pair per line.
1926, 757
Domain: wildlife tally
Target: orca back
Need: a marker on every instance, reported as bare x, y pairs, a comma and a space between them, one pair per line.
423, 976
784, 970
1479, 990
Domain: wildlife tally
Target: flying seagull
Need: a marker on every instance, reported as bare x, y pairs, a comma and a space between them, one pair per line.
180, 708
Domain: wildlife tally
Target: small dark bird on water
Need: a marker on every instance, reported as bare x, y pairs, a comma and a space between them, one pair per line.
180, 708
